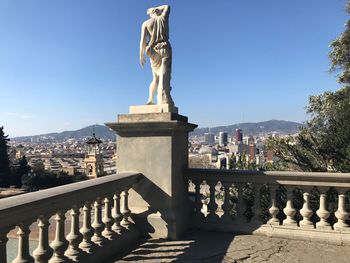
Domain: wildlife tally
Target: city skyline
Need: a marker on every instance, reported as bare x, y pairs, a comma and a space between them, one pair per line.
65, 65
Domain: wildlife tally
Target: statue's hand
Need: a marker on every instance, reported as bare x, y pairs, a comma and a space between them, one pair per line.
142, 60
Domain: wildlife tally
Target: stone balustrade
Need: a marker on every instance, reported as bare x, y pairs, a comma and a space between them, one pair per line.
105, 199
296, 205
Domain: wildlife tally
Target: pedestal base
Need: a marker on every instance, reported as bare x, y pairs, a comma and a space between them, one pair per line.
152, 109
156, 145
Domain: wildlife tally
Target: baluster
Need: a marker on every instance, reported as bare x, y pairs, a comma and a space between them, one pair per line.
256, 206
98, 224
108, 220
198, 202
322, 212
60, 244
212, 203
240, 207
43, 252
3, 242
289, 210
273, 209
226, 206
341, 213
117, 216
87, 231
74, 237
306, 212
125, 210
23, 255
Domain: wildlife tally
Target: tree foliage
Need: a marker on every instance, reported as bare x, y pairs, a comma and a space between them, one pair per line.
4, 159
22, 169
323, 144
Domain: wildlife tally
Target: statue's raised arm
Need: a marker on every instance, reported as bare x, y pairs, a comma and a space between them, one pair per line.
155, 43
164, 9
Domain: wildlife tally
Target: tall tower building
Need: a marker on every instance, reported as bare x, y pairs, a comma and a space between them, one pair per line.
239, 136
93, 160
209, 138
222, 138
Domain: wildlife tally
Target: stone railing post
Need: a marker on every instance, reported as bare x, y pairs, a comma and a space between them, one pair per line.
289, 210
156, 145
23, 255
98, 224
226, 206
60, 243
240, 207
74, 237
43, 252
257, 206
341, 214
107, 219
273, 210
125, 210
212, 202
306, 211
117, 215
87, 231
322, 212
198, 202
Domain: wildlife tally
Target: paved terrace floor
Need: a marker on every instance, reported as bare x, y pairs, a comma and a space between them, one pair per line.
202, 246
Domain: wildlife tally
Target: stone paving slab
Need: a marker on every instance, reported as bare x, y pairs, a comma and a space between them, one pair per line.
205, 246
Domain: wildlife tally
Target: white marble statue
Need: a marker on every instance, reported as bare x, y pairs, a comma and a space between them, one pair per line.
155, 43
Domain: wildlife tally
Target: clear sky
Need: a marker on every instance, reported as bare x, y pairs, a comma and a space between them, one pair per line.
66, 64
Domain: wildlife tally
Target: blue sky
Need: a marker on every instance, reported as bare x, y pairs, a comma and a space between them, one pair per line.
67, 64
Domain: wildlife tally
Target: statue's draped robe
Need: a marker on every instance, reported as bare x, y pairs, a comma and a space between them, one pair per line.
159, 43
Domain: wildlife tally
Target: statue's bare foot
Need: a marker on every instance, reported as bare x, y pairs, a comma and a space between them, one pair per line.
149, 103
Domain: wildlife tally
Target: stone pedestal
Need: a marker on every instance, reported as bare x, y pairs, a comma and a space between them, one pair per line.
156, 144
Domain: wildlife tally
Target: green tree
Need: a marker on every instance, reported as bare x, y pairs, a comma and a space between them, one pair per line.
4, 159
23, 168
323, 144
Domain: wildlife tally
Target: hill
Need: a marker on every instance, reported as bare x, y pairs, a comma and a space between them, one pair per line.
101, 131
105, 133
254, 128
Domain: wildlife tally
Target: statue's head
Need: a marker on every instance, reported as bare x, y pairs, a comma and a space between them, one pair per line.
153, 12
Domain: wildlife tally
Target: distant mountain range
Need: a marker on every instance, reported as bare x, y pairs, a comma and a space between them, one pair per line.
105, 133
254, 128
101, 131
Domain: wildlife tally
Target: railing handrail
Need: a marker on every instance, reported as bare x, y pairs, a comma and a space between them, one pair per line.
27, 207
279, 177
